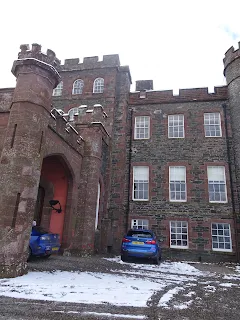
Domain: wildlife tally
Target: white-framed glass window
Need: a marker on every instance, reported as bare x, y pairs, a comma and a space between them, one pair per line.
212, 124
58, 90
78, 86
217, 184
98, 85
177, 184
140, 183
139, 224
142, 127
179, 234
221, 237
176, 126
71, 113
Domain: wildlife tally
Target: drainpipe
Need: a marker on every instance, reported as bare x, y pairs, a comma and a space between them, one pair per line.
129, 170
224, 106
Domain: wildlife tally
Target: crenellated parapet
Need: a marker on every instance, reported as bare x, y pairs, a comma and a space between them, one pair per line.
34, 59
185, 95
36, 53
230, 56
66, 131
111, 60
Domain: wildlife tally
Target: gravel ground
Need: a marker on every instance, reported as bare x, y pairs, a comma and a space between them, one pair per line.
221, 303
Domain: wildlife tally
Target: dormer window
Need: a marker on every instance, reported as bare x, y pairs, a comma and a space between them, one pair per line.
58, 90
78, 86
98, 85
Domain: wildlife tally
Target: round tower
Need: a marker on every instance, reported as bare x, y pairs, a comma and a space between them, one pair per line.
232, 74
22, 154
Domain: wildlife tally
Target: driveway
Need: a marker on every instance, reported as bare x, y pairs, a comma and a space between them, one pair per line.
107, 288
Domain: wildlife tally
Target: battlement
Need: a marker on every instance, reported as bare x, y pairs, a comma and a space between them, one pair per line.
66, 131
111, 60
231, 55
36, 53
185, 95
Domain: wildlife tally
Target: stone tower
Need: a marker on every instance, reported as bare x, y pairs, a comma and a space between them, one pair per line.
232, 74
22, 154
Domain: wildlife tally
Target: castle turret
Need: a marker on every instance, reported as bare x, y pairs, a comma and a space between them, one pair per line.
232, 74
22, 154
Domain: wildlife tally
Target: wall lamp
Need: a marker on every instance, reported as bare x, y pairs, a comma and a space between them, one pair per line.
53, 203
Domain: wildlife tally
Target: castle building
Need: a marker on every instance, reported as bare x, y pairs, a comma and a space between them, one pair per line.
116, 159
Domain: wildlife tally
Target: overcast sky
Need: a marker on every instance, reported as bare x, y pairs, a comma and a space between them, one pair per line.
178, 43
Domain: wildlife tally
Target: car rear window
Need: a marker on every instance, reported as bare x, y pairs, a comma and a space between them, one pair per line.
139, 234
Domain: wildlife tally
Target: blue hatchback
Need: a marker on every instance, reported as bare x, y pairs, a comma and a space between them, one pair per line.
43, 243
141, 244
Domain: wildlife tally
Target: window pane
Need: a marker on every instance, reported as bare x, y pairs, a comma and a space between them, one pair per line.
221, 237
176, 126
140, 183
142, 127
212, 125
178, 234
217, 184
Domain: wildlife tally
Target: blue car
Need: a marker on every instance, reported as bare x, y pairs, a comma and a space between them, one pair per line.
141, 244
43, 243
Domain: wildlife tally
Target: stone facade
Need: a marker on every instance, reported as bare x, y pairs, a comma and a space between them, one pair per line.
81, 146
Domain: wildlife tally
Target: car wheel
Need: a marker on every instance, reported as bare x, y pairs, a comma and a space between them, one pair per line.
29, 254
157, 260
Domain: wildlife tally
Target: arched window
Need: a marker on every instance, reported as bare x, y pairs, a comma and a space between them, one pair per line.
72, 112
98, 85
78, 86
58, 90
97, 206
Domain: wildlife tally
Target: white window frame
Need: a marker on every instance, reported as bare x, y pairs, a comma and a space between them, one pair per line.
142, 123
178, 227
98, 85
58, 90
141, 224
176, 118
216, 233
145, 183
217, 182
77, 86
173, 183
216, 124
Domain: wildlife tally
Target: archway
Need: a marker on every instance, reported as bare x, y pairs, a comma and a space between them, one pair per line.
55, 183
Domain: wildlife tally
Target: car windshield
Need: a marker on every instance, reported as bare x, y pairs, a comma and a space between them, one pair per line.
139, 234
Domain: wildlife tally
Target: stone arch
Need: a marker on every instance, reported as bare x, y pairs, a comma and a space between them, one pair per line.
57, 178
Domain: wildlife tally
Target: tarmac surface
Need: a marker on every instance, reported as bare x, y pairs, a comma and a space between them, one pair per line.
220, 303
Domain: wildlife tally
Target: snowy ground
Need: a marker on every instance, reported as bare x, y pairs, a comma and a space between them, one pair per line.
174, 283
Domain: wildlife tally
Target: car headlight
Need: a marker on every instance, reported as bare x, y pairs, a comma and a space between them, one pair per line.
45, 238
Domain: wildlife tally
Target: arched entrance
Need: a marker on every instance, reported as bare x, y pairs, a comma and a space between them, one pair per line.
55, 184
